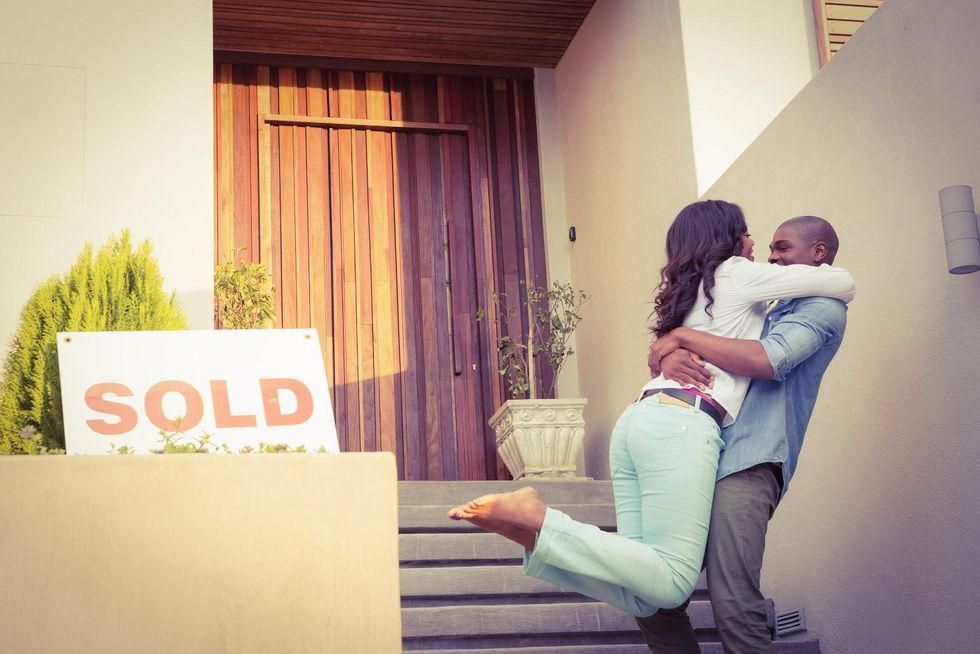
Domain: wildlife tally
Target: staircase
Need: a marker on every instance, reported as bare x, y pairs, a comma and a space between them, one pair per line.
463, 591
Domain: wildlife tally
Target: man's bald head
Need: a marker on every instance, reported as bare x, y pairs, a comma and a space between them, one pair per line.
809, 240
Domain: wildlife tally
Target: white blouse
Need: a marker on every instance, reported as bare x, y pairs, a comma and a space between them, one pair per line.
741, 291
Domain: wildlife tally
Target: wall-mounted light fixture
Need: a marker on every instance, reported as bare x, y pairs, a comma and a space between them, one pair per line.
960, 229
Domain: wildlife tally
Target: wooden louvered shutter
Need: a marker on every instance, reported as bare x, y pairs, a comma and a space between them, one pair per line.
836, 22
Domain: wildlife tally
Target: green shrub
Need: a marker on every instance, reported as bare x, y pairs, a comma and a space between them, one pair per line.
118, 289
177, 442
244, 295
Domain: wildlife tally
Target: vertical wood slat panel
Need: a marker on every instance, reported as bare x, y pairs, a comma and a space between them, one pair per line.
254, 247
365, 282
469, 407
443, 297
264, 106
493, 262
300, 174
394, 280
395, 329
218, 128
441, 437
345, 108
531, 228
449, 353
412, 432
480, 198
276, 203
442, 383
435, 310
321, 287
471, 287
455, 215
226, 165
509, 262
428, 440
341, 384
287, 196
384, 287
426, 273
240, 242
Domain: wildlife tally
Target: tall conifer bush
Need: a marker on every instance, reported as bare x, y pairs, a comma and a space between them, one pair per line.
119, 289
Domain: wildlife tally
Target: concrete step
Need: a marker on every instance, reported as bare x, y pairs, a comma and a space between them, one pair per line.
603, 648
456, 492
808, 646
456, 548
525, 619
432, 518
779, 647
473, 581
463, 591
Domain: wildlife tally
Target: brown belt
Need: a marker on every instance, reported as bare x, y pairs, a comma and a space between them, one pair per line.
688, 397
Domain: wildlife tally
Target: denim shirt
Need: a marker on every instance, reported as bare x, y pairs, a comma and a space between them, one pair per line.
800, 336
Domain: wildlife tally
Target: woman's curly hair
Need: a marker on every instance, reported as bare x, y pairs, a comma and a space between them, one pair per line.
702, 236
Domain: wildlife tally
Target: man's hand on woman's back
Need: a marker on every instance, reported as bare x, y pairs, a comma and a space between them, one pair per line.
677, 364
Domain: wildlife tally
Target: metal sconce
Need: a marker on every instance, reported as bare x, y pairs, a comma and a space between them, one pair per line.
960, 229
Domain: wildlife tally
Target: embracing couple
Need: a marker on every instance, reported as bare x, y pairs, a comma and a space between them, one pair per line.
713, 440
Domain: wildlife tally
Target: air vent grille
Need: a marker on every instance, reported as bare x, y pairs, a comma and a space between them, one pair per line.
790, 622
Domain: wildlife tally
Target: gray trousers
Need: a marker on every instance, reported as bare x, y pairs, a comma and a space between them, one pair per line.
743, 504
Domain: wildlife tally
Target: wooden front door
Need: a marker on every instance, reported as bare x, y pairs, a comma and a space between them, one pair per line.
373, 202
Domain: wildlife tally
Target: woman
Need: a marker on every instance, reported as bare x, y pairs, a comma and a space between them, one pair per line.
663, 453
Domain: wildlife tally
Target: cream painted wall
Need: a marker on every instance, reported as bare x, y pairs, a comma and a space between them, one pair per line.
558, 248
879, 537
745, 61
628, 167
139, 156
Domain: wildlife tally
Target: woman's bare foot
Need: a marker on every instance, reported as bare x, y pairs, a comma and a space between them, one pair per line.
523, 537
521, 508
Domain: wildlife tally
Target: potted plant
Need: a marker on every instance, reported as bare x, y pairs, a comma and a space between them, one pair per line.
538, 437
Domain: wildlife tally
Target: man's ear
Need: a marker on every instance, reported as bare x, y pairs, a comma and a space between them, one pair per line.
820, 252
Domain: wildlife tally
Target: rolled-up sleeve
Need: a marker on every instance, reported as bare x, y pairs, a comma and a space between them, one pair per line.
796, 336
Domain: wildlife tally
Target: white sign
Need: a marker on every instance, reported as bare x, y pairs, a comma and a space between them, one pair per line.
241, 387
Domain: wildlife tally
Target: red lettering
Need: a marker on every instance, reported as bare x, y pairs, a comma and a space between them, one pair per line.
274, 417
154, 405
223, 416
94, 398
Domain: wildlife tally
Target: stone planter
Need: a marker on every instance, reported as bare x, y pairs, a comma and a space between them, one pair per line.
540, 439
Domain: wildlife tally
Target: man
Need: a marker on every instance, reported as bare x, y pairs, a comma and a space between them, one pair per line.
799, 339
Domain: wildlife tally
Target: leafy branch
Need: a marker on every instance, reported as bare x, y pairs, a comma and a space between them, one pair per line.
553, 314
177, 442
244, 295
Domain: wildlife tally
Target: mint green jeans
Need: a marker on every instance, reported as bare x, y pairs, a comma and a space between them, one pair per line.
663, 460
